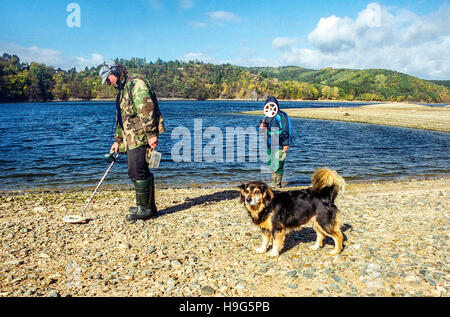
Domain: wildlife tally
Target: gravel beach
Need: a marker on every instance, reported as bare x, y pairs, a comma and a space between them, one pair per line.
201, 244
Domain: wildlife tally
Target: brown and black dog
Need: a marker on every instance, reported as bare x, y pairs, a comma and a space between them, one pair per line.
277, 213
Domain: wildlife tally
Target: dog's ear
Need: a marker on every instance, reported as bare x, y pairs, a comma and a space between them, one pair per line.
242, 188
267, 195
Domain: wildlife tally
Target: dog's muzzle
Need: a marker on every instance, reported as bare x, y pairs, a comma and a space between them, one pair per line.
251, 201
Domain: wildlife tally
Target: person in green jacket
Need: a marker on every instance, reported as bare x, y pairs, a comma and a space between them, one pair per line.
278, 127
139, 123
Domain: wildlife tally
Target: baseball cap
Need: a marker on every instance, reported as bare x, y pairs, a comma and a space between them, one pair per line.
106, 70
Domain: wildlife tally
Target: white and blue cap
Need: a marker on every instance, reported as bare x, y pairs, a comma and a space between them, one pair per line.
107, 70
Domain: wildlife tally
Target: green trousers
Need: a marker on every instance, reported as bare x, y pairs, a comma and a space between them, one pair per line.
275, 160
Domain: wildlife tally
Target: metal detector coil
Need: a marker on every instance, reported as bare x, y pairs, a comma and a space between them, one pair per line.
74, 219
271, 109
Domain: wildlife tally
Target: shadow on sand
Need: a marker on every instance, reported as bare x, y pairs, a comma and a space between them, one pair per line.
308, 235
205, 199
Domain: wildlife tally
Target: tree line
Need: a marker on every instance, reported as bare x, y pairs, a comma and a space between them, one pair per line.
201, 81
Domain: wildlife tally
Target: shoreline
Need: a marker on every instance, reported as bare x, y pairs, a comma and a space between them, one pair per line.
405, 115
444, 104
202, 244
287, 186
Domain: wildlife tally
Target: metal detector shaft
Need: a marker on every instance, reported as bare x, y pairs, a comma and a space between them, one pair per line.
101, 181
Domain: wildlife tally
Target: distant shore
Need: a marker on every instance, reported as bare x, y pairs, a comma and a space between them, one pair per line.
237, 99
405, 115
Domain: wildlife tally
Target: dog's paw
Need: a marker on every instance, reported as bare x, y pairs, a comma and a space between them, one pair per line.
260, 250
315, 247
335, 252
274, 254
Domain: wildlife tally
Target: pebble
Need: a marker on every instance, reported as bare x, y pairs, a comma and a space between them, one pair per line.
337, 278
175, 263
334, 286
410, 278
147, 272
309, 275
124, 246
13, 262
291, 273
44, 255
208, 291
53, 293
429, 278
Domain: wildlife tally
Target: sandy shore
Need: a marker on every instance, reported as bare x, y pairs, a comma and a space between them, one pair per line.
201, 244
391, 114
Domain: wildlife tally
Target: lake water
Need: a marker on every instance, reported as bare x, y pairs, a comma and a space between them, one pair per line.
62, 145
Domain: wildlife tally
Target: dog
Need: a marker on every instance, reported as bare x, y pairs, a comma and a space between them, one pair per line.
278, 213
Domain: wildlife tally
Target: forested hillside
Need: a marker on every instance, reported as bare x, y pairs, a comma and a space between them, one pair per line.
370, 84
196, 80
445, 83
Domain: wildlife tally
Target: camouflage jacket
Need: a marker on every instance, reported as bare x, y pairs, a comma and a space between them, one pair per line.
141, 116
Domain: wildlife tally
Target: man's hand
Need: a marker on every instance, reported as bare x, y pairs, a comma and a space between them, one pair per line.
114, 148
153, 142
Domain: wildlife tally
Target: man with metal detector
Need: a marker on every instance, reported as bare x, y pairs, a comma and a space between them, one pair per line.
138, 125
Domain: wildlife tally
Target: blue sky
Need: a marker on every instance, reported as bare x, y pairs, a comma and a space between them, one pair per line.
407, 36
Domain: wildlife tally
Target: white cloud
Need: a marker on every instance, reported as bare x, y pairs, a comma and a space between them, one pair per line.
222, 17
160, 5
93, 61
201, 57
284, 42
51, 57
246, 61
377, 38
333, 34
216, 18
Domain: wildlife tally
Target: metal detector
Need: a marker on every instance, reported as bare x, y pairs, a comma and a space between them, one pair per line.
82, 218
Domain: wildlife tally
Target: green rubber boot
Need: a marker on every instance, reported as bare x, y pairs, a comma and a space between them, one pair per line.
276, 180
145, 200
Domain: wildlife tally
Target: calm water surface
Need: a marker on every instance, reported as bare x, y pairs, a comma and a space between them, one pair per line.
62, 145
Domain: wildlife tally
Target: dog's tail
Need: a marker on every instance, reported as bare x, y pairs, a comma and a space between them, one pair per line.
325, 179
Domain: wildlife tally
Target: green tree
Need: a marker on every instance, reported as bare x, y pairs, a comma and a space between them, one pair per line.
41, 82
61, 90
